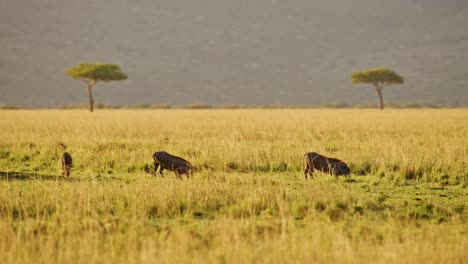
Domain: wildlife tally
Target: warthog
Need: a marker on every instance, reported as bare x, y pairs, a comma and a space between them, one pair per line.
333, 166
172, 163
67, 162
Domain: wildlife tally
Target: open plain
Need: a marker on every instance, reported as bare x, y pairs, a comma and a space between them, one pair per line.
248, 202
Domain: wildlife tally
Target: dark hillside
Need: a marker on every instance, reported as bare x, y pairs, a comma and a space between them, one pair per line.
234, 52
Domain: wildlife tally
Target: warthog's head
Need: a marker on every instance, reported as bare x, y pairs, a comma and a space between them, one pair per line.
187, 169
342, 169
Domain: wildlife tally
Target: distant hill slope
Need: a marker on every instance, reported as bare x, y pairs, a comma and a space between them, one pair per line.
297, 52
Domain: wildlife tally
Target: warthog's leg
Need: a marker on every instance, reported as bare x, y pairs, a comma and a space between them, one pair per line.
333, 171
306, 169
330, 169
66, 170
161, 170
177, 173
156, 166
309, 170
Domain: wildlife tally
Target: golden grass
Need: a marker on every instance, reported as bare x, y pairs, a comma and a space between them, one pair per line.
249, 201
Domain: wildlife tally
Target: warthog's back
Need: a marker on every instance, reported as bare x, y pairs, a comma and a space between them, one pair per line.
67, 159
317, 161
67, 163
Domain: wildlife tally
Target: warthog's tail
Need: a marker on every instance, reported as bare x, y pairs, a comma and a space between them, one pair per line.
310, 161
306, 161
309, 164
154, 157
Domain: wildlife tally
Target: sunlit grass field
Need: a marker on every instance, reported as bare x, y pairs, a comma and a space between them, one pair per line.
248, 202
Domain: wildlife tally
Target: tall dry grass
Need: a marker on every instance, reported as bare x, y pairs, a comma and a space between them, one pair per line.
248, 202
430, 145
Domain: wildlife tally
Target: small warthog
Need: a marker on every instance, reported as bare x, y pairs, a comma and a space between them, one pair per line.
172, 163
67, 162
316, 161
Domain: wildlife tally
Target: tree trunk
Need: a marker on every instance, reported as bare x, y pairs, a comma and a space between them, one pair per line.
378, 88
90, 93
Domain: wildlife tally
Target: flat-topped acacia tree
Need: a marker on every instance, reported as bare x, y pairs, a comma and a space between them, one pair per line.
93, 73
378, 77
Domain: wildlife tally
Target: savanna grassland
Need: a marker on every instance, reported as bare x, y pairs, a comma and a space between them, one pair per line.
248, 202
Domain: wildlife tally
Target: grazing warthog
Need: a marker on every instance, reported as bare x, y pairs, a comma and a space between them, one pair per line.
316, 161
172, 163
67, 163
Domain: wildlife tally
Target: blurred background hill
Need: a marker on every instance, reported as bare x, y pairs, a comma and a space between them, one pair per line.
229, 52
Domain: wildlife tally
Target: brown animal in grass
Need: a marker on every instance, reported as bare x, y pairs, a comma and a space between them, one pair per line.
66, 160
316, 161
166, 161
67, 163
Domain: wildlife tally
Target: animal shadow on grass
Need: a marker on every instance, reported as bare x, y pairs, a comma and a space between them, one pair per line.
27, 176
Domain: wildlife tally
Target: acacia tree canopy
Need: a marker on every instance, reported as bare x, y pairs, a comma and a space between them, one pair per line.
97, 72
376, 76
